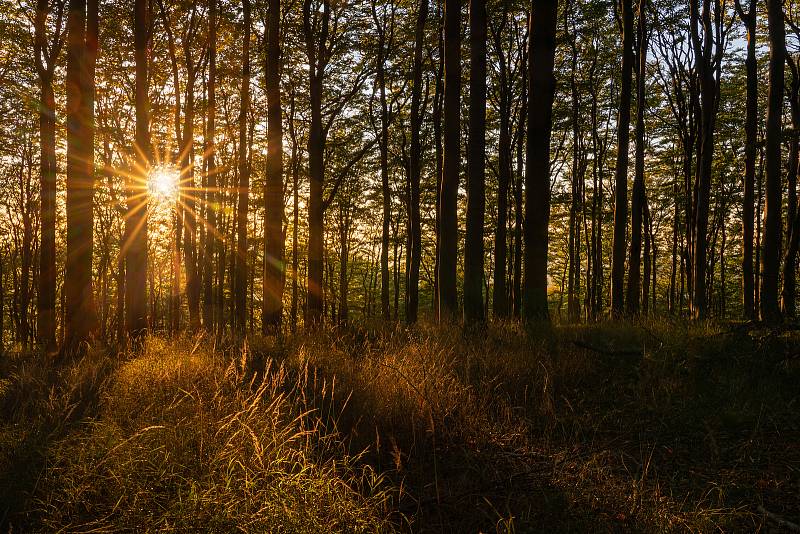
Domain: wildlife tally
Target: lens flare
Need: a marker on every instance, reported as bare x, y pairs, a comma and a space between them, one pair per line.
163, 182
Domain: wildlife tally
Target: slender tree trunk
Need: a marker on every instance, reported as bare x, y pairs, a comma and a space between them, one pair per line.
384, 159
638, 200
45, 64
770, 257
518, 207
448, 203
621, 172
315, 48
751, 133
213, 243
273, 191
541, 81
295, 212
415, 169
476, 163
240, 286
136, 220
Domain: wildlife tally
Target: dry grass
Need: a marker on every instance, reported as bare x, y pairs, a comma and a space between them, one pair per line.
647, 427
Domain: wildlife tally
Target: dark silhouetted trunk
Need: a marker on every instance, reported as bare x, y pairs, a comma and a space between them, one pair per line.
46, 59
541, 82
621, 173
476, 166
448, 196
274, 241
751, 133
241, 278
770, 255
81, 54
213, 243
415, 170
136, 219
638, 200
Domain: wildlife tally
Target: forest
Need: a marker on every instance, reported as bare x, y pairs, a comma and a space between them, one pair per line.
399, 265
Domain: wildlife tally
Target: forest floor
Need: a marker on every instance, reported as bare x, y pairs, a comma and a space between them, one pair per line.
646, 427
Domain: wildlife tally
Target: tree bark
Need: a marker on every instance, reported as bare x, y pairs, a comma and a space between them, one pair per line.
274, 241
45, 66
541, 82
770, 256
81, 52
415, 169
638, 200
751, 133
136, 219
448, 203
240, 289
476, 166
213, 243
621, 172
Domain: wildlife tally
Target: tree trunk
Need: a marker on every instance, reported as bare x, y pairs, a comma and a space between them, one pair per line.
415, 169
751, 133
770, 256
621, 172
240, 286
541, 82
273, 190
81, 53
476, 166
136, 220
448, 203
45, 65
213, 243
638, 200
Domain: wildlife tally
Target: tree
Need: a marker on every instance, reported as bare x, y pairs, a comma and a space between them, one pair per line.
136, 219
415, 168
240, 280
46, 57
621, 171
770, 256
638, 201
751, 133
708, 52
274, 241
448, 196
316, 26
211, 313
384, 26
541, 83
82, 21
476, 165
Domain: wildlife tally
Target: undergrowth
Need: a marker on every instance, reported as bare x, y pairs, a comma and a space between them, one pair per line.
645, 427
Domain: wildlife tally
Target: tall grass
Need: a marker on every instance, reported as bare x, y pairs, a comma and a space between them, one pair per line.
180, 442
646, 427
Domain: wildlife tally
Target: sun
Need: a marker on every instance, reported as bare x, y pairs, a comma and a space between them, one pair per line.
163, 182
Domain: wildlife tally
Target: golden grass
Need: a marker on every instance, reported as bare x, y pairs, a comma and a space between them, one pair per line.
646, 427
